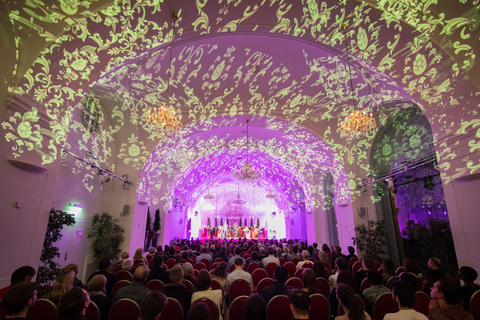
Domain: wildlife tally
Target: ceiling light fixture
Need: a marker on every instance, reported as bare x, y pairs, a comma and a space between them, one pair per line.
163, 120
208, 196
238, 201
271, 195
358, 123
247, 173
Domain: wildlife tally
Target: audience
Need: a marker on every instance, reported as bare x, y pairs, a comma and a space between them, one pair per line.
319, 270
255, 308
340, 265
278, 286
74, 304
152, 305
239, 273
351, 306
19, 298
444, 304
409, 278
204, 255
306, 257
338, 254
345, 277
62, 284
97, 292
299, 304
412, 266
231, 261
309, 281
22, 274
468, 275
135, 290
376, 289
157, 272
204, 290
220, 275
106, 268
177, 290
293, 255
351, 253
404, 296
367, 264
188, 273
388, 270
324, 253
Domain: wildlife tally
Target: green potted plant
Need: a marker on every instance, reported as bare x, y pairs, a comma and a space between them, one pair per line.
108, 235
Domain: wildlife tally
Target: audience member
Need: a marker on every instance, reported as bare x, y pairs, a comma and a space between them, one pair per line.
309, 281
299, 304
324, 253
255, 259
348, 301
444, 304
139, 256
204, 290
468, 275
409, 278
345, 277
125, 255
255, 308
338, 254
239, 273
231, 261
306, 257
62, 284
135, 290
319, 270
22, 274
152, 305
270, 259
340, 265
404, 296
177, 290
293, 255
199, 311
188, 273
278, 286
367, 264
388, 270
106, 268
430, 277
19, 298
222, 254
204, 255
74, 304
157, 272
351, 253
128, 265
220, 275
74, 267
96, 291
371, 294
411, 265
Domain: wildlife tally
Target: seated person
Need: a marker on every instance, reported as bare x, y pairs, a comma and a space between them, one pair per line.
367, 264
306, 256
177, 290
404, 296
135, 290
22, 274
300, 304
468, 275
239, 273
377, 288
18, 299
353, 310
157, 272
444, 304
74, 304
152, 305
278, 286
106, 268
204, 290
97, 293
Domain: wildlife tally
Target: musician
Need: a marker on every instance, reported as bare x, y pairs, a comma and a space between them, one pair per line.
245, 231
221, 232
235, 230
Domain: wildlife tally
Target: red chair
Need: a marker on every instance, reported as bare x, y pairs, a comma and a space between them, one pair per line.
200, 266
247, 260
237, 308
356, 267
206, 263
270, 268
252, 267
352, 261
172, 311
328, 273
43, 309
295, 283
381, 270
189, 285
214, 266
399, 271
258, 275
323, 286
117, 268
170, 263
365, 284
475, 305
155, 284
119, 285
125, 309
267, 282
219, 260
312, 259
319, 307
291, 268
149, 258
341, 312
282, 261
390, 281
239, 288
216, 285
383, 305
138, 262
192, 261
150, 265
124, 275
327, 265
212, 306
376, 265
299, 273
422, 301
232, 267
308, 265
278, 308
420, 280
295, 261
92, 312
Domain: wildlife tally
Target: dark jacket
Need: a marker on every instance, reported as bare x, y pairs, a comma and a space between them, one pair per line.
158, 274
179, 292
275, 289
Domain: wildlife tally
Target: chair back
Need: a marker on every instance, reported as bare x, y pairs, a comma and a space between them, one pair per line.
356, 267
383, 305
117, 268
149, 258
252, 267
248, 259
295, 283
278, 308
232, 267
155, 284
120, 284
125, 309
170, 263
399, 271
212, 306
200, 266
376, 265
319, 307
282, 261
328, 272
216, 285
257, 275
206, 263
267, 282
172, 311
381, 270
236, 310
475, 304
340, 310
195, 273
150, 265
43, 309
352, 261
138, 262
390, 281
214, 266
239, 288
308, 265
92, 312
299, 273
124, 275
219, 260
290, 266
323, 286
422, 301
365, 284
189, 285
270, 268
327, 265
295, 261
420, 280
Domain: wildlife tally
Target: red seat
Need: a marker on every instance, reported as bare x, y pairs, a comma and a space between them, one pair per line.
155, 284
3, 314
239, 288
124, 275
365, 284
475, 305
319, 307
420, 280
383, 305
237, 308
295, 283
212, 306
270, 268
138, 262
125, 309
216, 285
328, 272
312, 259
170, 263
92, 312
340, 310
299, 273
117, 268
206, 263
43, 309
390, 281
323, 286
219, 260
278, 308
258, 275
282, 261
327, 265
188, 284
267, 282
399, 271
232, 267
247, 260
149, 258
172, 311
252, 267
352, 261
291, 268
422, 301
376, 265
214, 266
308, 265
295, 261
119, 285
196, 272
200, 266
356, 267
150, 265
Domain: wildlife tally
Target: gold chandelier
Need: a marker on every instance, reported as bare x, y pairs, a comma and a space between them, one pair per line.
208, 196
358, 123
247, 173
271, 195
164, 120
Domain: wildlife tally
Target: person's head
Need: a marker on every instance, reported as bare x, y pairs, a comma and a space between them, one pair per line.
152, 305
367, 263
25, 273
374, 277
140, 274
187, 270
184, 255
124, 255
157, 262
305, 254
220, 271
151, 250
63, 283
73, 304
299, 304
388, 267
281, 274
238, 250
204, 281
347, 278
171, 251
138, 253
254, 255
255, 308
319, 269
411, 265
351, 250
127, 265
105, 264
176, 274
341, 264
338, 249
72, 267
97, 283
346, 297
325, 247
199, 311
262, 251
434, 263
19, 298
446, 290
238, 263
409, 278
403, 294
467, 274
204, 250
295, 249
309, 280
270, 251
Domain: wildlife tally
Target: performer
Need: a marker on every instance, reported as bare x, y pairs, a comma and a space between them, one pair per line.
246, 232
221, 231
235, 230
255, 232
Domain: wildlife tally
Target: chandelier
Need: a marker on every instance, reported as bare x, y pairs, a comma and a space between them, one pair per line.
358, 123
208, 196
238, 201
271, 195
247, 173
163, 120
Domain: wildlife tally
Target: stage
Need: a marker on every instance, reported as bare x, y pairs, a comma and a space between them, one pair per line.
217, 233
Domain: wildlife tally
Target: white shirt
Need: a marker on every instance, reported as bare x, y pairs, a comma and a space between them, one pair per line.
270, 259
239, 274
405, 315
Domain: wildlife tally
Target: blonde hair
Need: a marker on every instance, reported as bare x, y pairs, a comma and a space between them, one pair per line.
187, 269
127, 264
97, 283
70, 267
138, 254
63, 283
